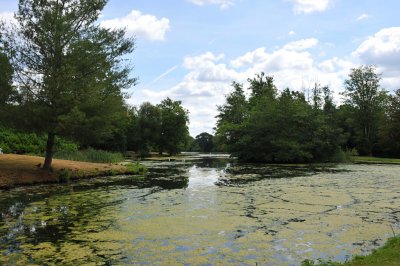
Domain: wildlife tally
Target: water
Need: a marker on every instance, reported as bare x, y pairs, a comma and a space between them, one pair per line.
215, 211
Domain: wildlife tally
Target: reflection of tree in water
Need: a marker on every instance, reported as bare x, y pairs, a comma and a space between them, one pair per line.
41, 225
167, 177
211, 163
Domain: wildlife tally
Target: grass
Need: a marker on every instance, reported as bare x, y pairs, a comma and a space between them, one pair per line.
90, 155
17, 170
367, 159
387, 255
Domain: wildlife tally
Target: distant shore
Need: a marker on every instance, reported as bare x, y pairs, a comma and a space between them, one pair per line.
19, 170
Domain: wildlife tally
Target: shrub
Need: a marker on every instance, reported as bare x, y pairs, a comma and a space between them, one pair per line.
136, 168
12, 141
64, 176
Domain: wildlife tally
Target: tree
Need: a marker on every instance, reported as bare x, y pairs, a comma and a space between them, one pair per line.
279, 127
231, 116
149, 127
69, 70
6, 74
174, 129
390, 130
205, 142
363, 92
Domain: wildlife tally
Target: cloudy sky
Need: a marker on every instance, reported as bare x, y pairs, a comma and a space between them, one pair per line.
192, 50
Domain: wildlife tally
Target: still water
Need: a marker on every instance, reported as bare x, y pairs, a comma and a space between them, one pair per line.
203, 211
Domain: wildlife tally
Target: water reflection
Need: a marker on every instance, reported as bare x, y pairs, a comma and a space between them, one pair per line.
211, 211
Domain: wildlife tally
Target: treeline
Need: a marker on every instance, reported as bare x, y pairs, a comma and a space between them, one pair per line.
205, 142
162, 128
288, 127
63, 76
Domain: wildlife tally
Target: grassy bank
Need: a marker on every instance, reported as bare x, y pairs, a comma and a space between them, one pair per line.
367, 159
389, 254
16, 170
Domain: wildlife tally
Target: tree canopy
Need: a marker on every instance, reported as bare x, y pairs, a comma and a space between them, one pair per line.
162, 127
70, 72
277, 127
364, 94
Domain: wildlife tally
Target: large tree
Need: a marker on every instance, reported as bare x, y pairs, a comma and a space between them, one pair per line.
69, 70
390, 129
174, 126
205, 141
364, 94
231, 116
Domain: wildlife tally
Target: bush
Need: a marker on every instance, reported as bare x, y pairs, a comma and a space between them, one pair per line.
12, 141
64, 176
136, 168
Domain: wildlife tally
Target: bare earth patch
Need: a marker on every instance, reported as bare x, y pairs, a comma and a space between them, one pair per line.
26, 170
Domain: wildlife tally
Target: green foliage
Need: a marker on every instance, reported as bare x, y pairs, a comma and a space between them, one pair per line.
12, 141
278, 127
64, 176
6, 74
205, 142
70, 71
191, 144
364, 94
389, 134
174, 129
161, 127
136, 168
90, 155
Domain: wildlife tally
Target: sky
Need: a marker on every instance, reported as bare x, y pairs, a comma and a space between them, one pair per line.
192, 50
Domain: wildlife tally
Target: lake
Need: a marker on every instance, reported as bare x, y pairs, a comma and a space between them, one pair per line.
204, 210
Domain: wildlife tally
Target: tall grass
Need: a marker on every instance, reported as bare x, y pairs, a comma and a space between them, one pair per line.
90, 155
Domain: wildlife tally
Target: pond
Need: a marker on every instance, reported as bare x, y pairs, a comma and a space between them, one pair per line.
204, 211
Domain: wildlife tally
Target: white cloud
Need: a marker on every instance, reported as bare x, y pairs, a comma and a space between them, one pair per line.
206, 68
210, 75
291, 33
363, 16
301, 45
143, 25
222, 3
309, 6
383, 50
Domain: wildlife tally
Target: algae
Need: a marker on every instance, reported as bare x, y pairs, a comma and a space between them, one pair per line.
206, 217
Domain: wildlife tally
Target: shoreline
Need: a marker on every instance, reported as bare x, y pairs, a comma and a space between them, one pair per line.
25, 170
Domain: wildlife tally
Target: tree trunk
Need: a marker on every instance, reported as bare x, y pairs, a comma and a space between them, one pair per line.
49, 151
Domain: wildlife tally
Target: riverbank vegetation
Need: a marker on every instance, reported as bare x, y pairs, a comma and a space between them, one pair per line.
389, 254
294, 127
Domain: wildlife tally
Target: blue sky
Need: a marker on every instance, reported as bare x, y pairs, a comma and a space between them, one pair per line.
192, 50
